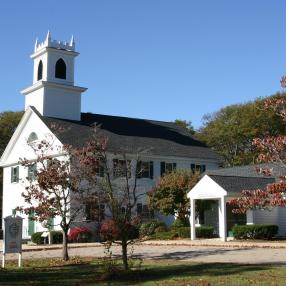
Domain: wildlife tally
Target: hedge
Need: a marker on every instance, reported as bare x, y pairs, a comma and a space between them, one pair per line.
205, 231
255, 231
178, 223
166, 235
151, 227
57, 237
36, 237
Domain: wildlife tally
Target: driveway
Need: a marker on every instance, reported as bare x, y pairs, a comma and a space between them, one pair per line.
177, 252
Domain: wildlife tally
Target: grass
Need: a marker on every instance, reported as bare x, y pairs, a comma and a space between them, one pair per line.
87, 271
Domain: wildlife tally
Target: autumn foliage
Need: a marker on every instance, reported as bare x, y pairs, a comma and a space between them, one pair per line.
271, 149
169, 196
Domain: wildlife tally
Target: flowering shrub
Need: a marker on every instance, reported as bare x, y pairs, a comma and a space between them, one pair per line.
110, 231
79, 234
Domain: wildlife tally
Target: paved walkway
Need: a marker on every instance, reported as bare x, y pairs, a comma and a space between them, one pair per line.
185, 250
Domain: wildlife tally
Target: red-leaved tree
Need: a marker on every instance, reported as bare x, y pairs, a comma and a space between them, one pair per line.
62, 180
272, 149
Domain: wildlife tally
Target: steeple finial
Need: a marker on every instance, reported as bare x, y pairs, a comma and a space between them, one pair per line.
72, 42
48, 38
36, 44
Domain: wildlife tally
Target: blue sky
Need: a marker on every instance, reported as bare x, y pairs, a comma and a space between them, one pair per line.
156, 59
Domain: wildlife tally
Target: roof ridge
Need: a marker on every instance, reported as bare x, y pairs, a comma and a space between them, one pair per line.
260, 177
128, 117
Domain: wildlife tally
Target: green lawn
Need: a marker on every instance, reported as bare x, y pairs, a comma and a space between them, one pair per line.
93, 272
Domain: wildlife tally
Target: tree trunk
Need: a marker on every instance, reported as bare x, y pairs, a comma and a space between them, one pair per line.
65, 245
124, 254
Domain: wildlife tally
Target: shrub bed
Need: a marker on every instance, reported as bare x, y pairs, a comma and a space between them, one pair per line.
57, 236
36, 237
79, 234
166, 235
255, 231
151, 227
204, 231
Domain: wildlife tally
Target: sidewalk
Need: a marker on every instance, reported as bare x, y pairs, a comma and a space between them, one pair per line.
180, 242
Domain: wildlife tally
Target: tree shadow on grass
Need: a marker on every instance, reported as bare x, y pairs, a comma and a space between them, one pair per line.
164, 272
85, 274
184, 255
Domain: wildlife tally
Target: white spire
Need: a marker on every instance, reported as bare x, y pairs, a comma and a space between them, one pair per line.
48, 38
36, 44
72, 42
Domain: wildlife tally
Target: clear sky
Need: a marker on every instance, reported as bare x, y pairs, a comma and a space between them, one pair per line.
156, 59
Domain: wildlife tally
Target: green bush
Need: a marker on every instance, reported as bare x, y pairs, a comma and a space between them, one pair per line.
204, 231
255, 231
36, 237
160, 229
178, 223
57, 236
150, 227
183, 232
166, 235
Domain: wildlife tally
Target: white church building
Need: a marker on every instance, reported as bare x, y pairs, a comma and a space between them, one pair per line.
53, 98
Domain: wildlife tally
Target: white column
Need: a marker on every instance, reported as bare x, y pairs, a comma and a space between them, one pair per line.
249, 217
193, 219
222, 218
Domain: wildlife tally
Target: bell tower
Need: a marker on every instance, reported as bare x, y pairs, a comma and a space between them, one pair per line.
53, 92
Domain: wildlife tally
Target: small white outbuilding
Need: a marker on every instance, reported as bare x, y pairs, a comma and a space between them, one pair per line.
222, 185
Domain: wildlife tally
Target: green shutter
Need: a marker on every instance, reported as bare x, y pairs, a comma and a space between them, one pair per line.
17, 174
162, 168
151, 170
31, 224
174, 166
193, 168
50, 223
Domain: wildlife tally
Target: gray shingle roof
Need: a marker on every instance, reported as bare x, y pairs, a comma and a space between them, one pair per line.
249, 170
235, 184
131, 135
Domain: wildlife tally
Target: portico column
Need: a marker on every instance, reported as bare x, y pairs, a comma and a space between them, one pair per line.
193, 219
249, 217
222, 218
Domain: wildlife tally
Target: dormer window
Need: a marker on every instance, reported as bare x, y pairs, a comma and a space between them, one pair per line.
32, 137
40, 71
60, 69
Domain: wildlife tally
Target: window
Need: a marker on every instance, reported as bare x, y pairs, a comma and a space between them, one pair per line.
99, 170
94, 212
167, 167
61, 69
144, 170
198, 168
15, 174
40, 71
31, 172
32, 137
121, 168
144, 212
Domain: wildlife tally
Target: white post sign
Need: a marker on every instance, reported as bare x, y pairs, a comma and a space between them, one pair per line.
12, 237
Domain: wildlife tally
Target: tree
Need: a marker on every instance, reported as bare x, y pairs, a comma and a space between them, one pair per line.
8, 123
270, 149
230, 131
187, 125
58, 185
117, 188
169, 196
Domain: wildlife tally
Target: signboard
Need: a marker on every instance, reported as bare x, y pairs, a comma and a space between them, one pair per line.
12, 234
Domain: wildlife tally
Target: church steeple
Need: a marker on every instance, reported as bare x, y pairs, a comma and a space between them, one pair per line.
53, 92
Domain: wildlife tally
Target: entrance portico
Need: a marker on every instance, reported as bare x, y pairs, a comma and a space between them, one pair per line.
208, 189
